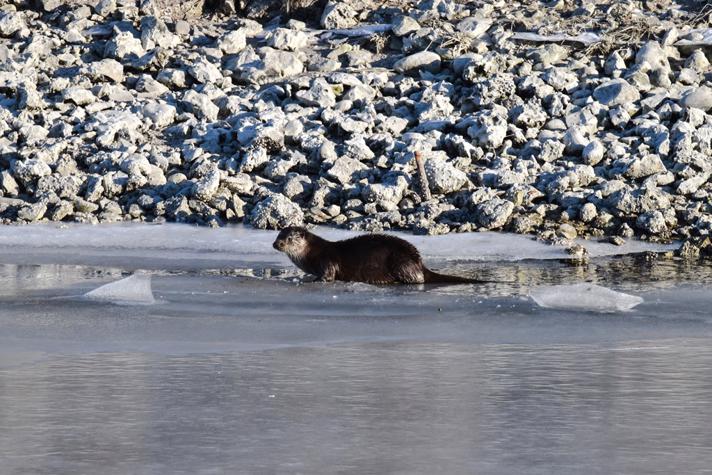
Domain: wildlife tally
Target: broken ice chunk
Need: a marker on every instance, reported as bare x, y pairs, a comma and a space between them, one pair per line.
133, 290
586, 297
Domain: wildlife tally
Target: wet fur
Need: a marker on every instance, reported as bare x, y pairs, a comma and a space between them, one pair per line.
370, 258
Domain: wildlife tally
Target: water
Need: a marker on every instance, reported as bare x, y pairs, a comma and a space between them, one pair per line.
240, 367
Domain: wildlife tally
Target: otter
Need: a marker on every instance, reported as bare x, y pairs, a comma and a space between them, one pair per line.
369, 258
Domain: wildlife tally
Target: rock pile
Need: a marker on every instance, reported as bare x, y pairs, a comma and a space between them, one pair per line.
113, 112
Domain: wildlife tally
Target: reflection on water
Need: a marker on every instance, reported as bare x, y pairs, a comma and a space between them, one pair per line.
370, 408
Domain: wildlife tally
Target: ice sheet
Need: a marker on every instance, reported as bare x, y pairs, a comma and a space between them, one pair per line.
133, 290
228, 246
584, 297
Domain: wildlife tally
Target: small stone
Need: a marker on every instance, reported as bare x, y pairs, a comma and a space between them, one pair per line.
692, 184
474, 26
617, 240
106, 68
338, 15
616, 92
32, 212
588, 212
207, 186
593, 153
204, 71
281, 63
642, 167
344, 169
233, 42
699, 98
161, 115
320, 94
494, 213
404, 25
567, 231
443, 176
422, 61
123, 44
276, 212
201, 105
652, 222
289, 40
79, 96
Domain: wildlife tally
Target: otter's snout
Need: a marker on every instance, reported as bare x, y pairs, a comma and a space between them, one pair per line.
278, 244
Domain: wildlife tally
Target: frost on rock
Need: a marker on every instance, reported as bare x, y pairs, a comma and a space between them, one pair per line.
133, 290
584, 297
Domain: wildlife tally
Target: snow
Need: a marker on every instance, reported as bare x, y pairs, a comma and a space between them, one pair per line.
584, 297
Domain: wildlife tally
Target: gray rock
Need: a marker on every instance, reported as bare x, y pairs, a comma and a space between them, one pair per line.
404, 25
276, 212
204, 71
281, 63
320, 94
699, 98
654, 55
207, 186
11, 23
474, 26
122, 45
106, 68
254, 158
173, 78
160, 115
29, 170
338, 15
422, 61
8, 184
32, 212
49, 5
233, 42
155, 33
593, 152
692, 184
574, 141
652, 222
616, 92
443, 176
647, 165
105, 7
489, 128
289, 40
79, 96
588, 212
494, 213
114, 126
344, 169
200, 105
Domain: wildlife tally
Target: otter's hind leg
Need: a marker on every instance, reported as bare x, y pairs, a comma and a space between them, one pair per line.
407, 271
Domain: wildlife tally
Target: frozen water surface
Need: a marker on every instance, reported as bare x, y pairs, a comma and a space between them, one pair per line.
244, 368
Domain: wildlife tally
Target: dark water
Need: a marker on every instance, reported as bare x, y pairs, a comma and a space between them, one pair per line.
230, 374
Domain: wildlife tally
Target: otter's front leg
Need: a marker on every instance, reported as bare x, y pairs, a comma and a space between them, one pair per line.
328, 275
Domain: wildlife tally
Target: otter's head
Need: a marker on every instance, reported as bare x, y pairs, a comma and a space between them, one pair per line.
292, 241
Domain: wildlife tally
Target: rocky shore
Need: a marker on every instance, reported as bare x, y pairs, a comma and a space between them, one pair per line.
562, 119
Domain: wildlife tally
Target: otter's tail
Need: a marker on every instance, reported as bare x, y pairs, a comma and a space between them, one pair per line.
431, 277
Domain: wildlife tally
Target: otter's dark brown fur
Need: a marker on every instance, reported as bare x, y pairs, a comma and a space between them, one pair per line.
370, 258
